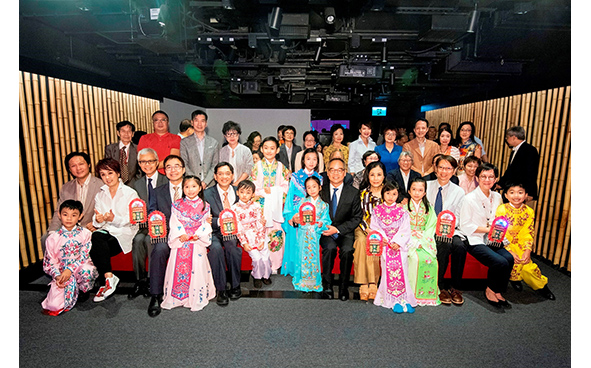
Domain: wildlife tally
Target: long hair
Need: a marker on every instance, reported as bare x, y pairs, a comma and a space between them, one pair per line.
310, 150
197, 180
372, 165
424, 199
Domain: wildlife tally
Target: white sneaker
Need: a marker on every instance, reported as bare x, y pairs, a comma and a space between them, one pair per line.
107, 290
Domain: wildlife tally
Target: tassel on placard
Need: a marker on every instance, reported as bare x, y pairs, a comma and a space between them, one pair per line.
445, 228
157, 226
228, 224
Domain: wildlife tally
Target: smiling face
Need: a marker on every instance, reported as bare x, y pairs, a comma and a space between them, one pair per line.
269, 150
336, 172
516, 195
444, 171
487, 179
160, 122
390, 136
256, 143
224, 176
109, 177
421, 129
312, 188
79, 168
125, 134
371, 158
199, 123
465, 132
69, 217
376, 177
174, 170
365, 131
288, 135
311, 161
148, 163
405, 163
445, 138
309, 141
417, 191
232, 138
191, 188
338, 136
470, 168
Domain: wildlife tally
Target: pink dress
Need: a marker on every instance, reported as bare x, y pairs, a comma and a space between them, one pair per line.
394, 224
68, 250
188, 281
251, 230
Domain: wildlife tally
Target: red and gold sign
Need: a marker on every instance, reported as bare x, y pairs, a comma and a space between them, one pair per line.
446, 225
497, 232
157, 225
228, 224
137, 211
307, 214
374, 243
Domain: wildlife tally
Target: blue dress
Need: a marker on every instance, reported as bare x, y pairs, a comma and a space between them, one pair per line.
307, 276
389, 159
295, 193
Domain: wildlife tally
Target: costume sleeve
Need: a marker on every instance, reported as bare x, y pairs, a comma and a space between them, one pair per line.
290, 208
402, 236
323, 217
176, 230
51, 262
204, 232
257, 178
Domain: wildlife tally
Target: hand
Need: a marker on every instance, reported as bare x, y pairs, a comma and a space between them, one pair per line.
209, 220
516, 258
62, 279
404, 201
395, 246
109, 216
267, 190
295, 219
247, 247
319, 224
526, 257
330, 231
98, 216
90, 227
184, 238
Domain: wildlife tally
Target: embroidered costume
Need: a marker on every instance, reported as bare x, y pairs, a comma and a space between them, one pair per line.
422, 254
68, 250
188, 281
394, 291
272, 175
296, 192
307, 276
520, 236
251, 231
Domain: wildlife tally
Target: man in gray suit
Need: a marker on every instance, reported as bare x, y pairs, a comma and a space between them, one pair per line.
142, 242
124, 152
200, 151
83, 188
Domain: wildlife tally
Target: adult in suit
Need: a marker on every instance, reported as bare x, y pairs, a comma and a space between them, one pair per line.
200, 151
164, 196
403, 175
444, 195
345, 214
421, 148
125, 152
223, 253
235, 153
83, 188
288, 150
523, 164
142, 242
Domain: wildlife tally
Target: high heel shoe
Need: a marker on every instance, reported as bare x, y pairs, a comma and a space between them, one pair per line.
363, 293
495, 304
373, 290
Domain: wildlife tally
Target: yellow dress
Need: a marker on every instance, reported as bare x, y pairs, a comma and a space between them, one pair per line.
520, 235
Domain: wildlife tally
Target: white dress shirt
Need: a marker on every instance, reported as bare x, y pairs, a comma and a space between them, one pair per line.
82, 189
477, 210
356, 150
451, 193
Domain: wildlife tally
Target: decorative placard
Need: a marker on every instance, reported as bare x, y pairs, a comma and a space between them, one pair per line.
497, 232
307, 214
446, 225
228, 224
374, 243
138, 211
157, 226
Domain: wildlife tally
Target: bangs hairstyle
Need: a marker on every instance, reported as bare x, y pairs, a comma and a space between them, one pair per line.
469, 159
269, 139
231, 125
452, 161
314, 151
71, 155
197, 180
514, 184
123, 123
72, 204
170, 157
486, 166
108, 164
246, 184
424, 199
390, 186
313, 178
458, 138
160, 112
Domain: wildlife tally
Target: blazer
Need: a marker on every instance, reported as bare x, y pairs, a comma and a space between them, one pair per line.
348, 178
68, 191
162, 202
141, 186
348, 214
423, 164
243, 155
396, 176
112, 151
193, 163
282, 156
523, 169
212, 196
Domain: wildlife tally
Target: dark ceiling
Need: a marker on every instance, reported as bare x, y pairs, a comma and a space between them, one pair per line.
273, 53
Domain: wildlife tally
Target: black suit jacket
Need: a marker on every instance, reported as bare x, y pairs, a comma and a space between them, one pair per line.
523, 169
162, 203
282, 156
112, 151
141, 187
212, 196
396, 176
348, 214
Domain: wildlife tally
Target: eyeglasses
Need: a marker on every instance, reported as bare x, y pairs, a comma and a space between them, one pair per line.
232, 134
486, 177
173, 167
144, 162
339, 171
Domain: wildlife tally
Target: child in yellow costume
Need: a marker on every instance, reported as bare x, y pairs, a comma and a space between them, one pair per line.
519, 241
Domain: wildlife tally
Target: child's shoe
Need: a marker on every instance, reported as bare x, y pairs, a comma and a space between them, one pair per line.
257, 283
409, 309
398, 308
267, 281
107, 290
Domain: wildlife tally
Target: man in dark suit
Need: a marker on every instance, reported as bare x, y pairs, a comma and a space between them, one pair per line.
288, 150
523, 163
164, 196
345, 214
142, 243
125, 152
223, 253
404, 175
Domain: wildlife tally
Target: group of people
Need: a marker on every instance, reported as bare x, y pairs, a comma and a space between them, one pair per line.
293, 210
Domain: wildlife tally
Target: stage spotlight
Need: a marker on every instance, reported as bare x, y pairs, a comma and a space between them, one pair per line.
473, 25
228, 4
378, 5
318, 55
275, 18
329, 15
384, 53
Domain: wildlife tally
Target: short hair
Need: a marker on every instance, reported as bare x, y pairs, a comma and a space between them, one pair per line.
171, 157
108, 164
472, 158
289, 127
335, 127
184, 125
390, 127
421, 119
514, 184
71, 155
368, 168
446, 129
487, 166
369, 153
270, 139
147, 150
72, 204
123, 123
160, 112
389, 186
246, 184
452, 161
198, 112
444, 124
366, 123
313, 133
280, 128
258, 153
222, 164
337, 159
517, 132
310, 150
230, 125
405, 154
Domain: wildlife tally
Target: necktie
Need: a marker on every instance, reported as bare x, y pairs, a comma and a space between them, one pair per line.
177, 193
439, 201
226, 201
123, 164
334, 202
150, 190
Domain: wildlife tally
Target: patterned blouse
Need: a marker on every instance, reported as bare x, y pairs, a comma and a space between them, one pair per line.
368, 202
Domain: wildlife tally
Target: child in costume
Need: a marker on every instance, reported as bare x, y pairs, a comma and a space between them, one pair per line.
251, 232
422, 249
519, 241
393, 222
307, 276
271, 179
297, 191
188, 281
67, 262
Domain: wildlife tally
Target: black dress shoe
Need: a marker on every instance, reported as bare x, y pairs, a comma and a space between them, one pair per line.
344, 294
505, 304
137, 290
235, 293
154, 308
517, 285
267, 281
327, 293
257, 283
492, 302
222, 298
546, 293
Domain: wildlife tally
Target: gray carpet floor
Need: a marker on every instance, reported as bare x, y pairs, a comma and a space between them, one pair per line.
279, 327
